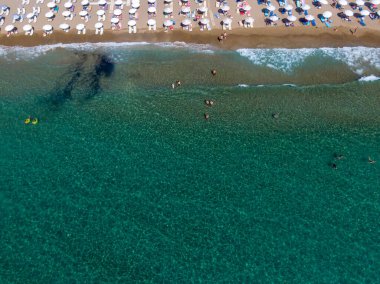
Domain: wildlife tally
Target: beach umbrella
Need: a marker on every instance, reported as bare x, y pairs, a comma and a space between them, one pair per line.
186, 22
202, 9
273, 18
27, 28
168, 23
85, 3
64, 26
30, 15
305, 7
364, 13
136, 5
288, 7
184, 1
324, 2
132, 23
185, 9
68, 5
327, 14
168, 1
204, 22
309, 18
152, 10
80, 27
375, 2
9, 28
83, 13
99, 25
151, 22
168, 10
342, 2
378, 13
151, 1
100, 12
51, 5
292, 18
359, 2
102, 2
225, 8
49, 15
132, 11
115, 20
348, 13
47, 28
249, 20
247, 8
271, 8
227, 21
119, 2
117, 12
66, 14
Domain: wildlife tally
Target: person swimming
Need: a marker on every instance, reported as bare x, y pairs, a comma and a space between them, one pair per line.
207, 116
371, 161
275, 115
213, 72
178, 83
338, 156
334, 166
209, 103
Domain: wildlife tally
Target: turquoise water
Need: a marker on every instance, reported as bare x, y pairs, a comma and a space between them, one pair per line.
123, 180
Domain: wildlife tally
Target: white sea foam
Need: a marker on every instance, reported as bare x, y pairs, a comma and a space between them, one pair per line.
27, 53
359, 59
369, 78
243, 85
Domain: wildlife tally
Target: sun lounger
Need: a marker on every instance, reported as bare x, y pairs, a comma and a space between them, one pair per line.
313, 23
361, 22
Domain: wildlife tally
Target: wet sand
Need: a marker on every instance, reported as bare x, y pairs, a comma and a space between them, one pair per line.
266, 37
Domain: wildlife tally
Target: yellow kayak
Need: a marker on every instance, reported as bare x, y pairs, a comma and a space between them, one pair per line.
35, 121
27, 121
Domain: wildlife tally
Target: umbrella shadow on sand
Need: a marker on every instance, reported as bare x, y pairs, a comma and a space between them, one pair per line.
86, 73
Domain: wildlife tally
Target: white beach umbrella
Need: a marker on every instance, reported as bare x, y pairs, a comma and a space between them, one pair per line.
309, 17
118, 3
27, 28
47, 28
85, 3
68, 5
247, 8
271, 8
64, 26
364, 13
99, 25
249, 20
184, 1
135, 5
117, 12
324, 2
202, 9
305, 7
185, 9
168, 10
151, 10
51, 5
288, 7
359, 2
80, 27
168, 1
30, 15
9, 28
227, 21
100, 12
168, 23
292, 18
273, 18
327, 14
342, 2
115, 20
66, 14
186, 22
378, 13
151, 1
348, 13
102, 2
83, 13
49, 15
225, 8
132, 11
204, 21
375, 2
151, 22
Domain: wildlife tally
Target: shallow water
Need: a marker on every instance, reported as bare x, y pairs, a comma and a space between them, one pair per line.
123, 179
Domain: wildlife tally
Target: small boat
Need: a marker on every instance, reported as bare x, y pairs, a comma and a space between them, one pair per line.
27, 121
35, 121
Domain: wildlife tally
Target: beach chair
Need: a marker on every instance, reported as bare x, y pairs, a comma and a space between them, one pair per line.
361, 22
327, 24
313, 23
298, 3
306, 12
266, 12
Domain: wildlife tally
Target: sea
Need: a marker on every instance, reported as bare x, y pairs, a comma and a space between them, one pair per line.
123, 180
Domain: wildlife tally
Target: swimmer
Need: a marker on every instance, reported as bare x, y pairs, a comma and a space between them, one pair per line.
220, 38
213, 72
207, 102
371, 161
178, 83
173, 86
207, 116
338, 156
211, 103
334, 166
275, 115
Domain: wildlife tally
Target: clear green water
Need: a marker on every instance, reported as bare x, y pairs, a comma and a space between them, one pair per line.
133, 184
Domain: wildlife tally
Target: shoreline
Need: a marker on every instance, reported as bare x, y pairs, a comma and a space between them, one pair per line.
266, 37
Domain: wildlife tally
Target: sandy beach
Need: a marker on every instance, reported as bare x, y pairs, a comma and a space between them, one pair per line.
277, 34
